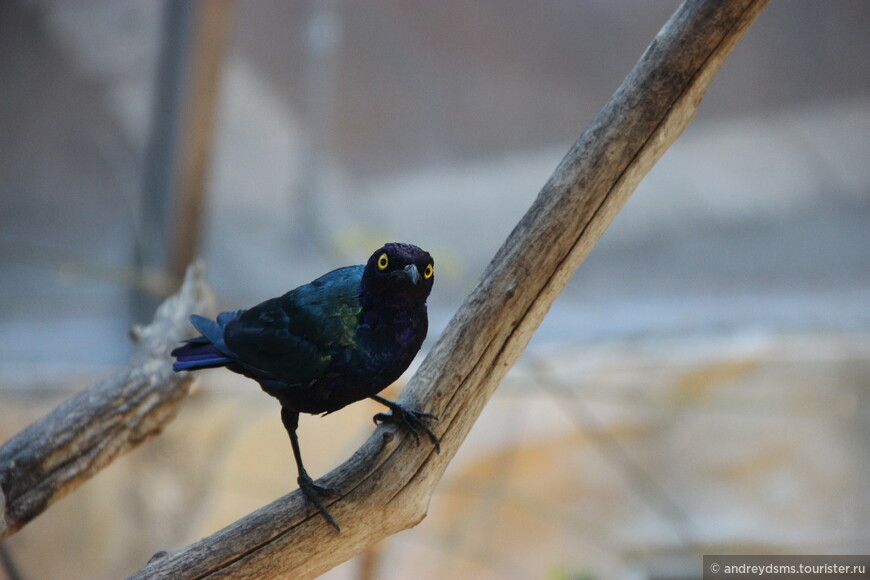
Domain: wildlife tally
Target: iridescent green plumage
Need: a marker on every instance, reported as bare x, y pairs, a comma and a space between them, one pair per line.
341, 338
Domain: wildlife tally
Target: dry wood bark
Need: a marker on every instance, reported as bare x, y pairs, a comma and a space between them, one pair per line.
385, 487
55, 455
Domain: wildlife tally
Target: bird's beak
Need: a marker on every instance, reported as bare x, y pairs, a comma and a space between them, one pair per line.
412, 272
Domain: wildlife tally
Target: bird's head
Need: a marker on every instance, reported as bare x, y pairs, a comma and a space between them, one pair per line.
401, 272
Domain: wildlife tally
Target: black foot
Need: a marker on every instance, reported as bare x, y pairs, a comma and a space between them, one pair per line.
312, 492
408, 419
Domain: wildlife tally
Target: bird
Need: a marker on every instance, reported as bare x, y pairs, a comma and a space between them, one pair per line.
341, 338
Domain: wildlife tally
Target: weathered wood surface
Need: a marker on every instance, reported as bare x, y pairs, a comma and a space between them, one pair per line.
55, 455
385, 487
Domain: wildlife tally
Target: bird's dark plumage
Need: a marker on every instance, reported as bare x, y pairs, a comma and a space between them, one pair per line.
342, 338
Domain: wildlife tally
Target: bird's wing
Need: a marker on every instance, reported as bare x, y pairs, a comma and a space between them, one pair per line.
296, 337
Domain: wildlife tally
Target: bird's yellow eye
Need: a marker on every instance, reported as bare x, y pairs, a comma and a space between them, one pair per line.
429, 271
383, 261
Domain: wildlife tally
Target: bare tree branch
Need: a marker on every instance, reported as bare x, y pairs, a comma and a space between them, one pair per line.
385, 487
64, 449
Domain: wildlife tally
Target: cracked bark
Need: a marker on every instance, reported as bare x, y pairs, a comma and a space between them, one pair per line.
55, 455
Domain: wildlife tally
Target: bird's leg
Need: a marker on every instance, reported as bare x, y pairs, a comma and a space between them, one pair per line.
408, 418
310, 490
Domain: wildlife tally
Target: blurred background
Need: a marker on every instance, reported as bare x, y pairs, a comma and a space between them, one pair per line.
702, 386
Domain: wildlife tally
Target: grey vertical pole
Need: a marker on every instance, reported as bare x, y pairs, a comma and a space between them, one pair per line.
323, 31
161, 156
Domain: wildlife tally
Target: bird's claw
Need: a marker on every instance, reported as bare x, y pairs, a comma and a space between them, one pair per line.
312, 493
411, 420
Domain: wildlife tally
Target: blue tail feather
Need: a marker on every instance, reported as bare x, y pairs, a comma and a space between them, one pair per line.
206, 351
192, 356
